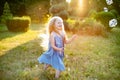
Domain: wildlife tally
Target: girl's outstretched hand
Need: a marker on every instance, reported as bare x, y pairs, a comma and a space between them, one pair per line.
74, 36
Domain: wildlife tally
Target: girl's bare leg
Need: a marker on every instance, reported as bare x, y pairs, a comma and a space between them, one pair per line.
46, 66
57, 74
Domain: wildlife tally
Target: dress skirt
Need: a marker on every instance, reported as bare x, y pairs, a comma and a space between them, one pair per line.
53, 57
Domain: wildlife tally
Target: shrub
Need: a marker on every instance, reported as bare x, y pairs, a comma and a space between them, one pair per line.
18, 24
104, 18
70, 23
92, 13
73, 25
98, 29
114, 12
91, 27
88, 27
118, 20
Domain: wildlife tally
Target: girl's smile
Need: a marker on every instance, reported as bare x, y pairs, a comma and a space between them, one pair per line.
59, 24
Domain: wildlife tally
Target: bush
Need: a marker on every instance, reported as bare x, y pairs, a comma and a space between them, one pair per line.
92, 13
91, 27
114, 12
104, 18
97, 29
73, 25
118, 20
18, 24
70, 23
88, 27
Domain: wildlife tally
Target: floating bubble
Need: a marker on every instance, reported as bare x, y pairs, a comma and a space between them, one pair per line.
112, 22
105, 9
68, 1
109, 2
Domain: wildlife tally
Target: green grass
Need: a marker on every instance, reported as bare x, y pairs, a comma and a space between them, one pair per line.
87, 58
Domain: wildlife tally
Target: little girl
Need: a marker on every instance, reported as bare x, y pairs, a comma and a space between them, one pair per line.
55, 53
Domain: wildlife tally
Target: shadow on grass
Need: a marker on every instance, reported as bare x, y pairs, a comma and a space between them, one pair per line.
4, 33
20, 63
8, 34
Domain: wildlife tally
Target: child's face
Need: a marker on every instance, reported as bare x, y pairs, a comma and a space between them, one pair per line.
58, 24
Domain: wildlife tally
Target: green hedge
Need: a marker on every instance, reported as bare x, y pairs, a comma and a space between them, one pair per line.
18, 24
118, 20
104, 18
113, 11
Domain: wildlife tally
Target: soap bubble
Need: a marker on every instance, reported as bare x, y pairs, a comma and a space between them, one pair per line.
105, 9
109, 2
112, 22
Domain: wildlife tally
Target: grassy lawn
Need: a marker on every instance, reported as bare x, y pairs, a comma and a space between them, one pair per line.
87, 58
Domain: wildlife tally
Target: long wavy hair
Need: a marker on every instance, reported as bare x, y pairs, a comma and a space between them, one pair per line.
51, 25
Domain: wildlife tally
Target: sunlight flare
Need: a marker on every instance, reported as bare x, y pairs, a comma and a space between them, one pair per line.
81, 5
44, 42
68, 1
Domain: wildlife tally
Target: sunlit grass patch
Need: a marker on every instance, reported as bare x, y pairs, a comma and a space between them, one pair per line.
15, 39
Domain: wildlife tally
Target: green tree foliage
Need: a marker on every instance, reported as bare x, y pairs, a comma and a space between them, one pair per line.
6, 13
20, 7
104, 18
22, 10
59, 8
113, 11
98, 5
116, 5
118, 20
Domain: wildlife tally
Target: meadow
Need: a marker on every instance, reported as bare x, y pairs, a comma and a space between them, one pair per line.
87, 58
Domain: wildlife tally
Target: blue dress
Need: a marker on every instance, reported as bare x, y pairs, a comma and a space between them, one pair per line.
53, 57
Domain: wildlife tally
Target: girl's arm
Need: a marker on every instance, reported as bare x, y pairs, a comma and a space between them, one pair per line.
66, 41
52, 41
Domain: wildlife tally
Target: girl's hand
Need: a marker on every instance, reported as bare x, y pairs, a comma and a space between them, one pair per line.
74, 36
71, 39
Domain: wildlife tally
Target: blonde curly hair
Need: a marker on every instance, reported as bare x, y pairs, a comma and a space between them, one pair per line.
51, 25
